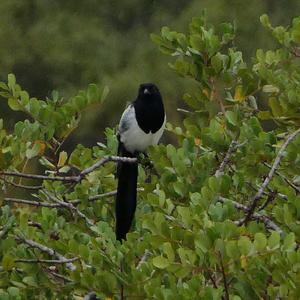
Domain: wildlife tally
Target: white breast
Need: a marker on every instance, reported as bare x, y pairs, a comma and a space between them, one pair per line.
132, 136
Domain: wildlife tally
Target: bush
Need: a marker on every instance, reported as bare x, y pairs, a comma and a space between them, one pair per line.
220, 216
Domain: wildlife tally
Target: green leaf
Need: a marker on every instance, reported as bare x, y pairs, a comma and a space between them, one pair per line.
289, 242
244, 245
30, 280
231, 117
34, 151
160, 262
232, 250
274, 240
14, 292
197, 42
264, 115
264, 19
3, 86
8, 262
11, 81
92, 93
14, 104
270, 89
63, 156
168, 250
105, 92
260, 241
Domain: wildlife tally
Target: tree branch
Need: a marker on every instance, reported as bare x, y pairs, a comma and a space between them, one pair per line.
72, 208
255, 216
289, 182
59, 205
21, 186
259, 194
76, 178
47, 250
47, 261
143, 259
232, 147
224, 278
32, 203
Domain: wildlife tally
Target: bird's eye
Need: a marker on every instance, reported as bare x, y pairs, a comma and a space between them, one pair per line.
146, 91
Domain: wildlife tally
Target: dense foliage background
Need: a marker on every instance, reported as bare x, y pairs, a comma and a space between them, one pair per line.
217, 216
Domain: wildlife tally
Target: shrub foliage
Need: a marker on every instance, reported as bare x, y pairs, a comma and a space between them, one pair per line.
219, 215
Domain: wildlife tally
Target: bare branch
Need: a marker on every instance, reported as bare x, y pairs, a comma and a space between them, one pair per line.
143, 259
289, 182
284, 197
21, 186
38, 177
185, 111
96, 197
57, 275
259, 194
255, 216
103, 161
34, 224
47, 250
77, 178
226, 287
232, 147
100, 196
270, 198
47, 261
70, 206
60, 205
32, 203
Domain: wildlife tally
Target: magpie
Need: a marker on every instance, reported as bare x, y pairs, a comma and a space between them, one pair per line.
141, 125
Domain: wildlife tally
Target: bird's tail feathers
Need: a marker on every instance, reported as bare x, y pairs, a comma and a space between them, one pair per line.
127, 174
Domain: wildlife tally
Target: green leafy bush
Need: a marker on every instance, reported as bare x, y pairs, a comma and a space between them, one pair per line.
219, 218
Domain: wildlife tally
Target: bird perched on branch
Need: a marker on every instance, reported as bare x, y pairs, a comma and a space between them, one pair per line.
141, 125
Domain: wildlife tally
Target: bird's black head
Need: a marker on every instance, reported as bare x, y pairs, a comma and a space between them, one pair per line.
148, 90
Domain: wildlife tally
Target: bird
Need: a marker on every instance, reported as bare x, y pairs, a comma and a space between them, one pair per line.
141, 125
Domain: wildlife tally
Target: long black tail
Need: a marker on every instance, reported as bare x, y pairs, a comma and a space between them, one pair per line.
126, 194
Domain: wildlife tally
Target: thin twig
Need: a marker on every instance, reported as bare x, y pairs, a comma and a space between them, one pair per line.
77, 178
47, 261
226, 160
71, 207
270, 198
59, 276
59, 205
106, 159
284, 197
96, 197
32, 203
35, 224
255, 216
47, 250
22, 186
212, 279
143, 259
259, 194
289, 182
185, 111
226, 288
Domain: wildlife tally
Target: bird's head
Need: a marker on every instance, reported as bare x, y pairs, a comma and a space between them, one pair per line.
148, 90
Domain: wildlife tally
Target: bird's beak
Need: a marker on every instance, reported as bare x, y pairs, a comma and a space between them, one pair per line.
146, 91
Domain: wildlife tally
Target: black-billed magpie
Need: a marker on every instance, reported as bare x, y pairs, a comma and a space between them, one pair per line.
141, 125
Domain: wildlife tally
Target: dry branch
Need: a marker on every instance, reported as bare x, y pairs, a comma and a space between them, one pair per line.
48, 251
260, 192
255, 216
76, 178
